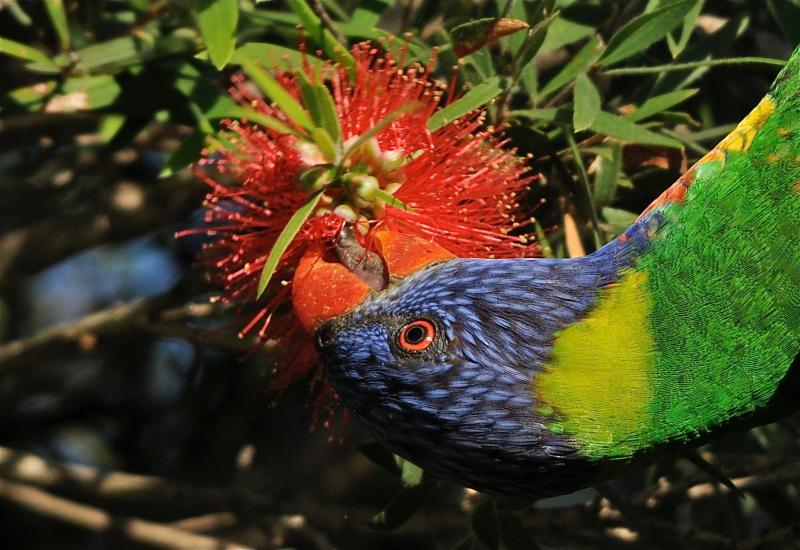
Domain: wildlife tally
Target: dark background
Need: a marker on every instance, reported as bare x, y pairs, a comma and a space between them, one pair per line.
111, 356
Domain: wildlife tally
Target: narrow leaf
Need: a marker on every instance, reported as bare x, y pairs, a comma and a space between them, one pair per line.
620, 128
478, 96
657, 104
645, 30
321, 36
383, 123
587, 103
403, 505
217, 20
563, 32
582, 60
368, 13
58, 18
293, 227
393, 201
608, 170
17, 49
689, 22
329, 119
187, 152
278, 94
787, 16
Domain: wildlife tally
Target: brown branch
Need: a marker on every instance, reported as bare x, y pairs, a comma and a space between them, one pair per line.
123, 211
98, 520
115, 487
328, 22
148, 315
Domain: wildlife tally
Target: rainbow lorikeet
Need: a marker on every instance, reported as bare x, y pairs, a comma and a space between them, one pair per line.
536, 377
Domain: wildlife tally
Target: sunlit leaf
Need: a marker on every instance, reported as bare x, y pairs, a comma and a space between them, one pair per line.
621, 128
478, 96
321, 36
579, 63
290, 231
22, 51
643, 31
657, 104
58, 18
278, 94
587, 103
217, 20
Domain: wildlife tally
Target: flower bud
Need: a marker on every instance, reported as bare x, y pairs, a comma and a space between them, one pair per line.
392, 160
316, 178
346, 211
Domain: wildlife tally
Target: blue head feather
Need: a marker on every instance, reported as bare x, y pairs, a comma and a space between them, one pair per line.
463, 408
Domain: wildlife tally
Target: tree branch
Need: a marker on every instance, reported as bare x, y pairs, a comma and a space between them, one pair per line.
98, 520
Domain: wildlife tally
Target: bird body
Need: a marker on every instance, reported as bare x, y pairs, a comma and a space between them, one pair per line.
535, 377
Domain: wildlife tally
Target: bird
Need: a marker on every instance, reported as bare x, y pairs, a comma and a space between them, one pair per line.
534, 377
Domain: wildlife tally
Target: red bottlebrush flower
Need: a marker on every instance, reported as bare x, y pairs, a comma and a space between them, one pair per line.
456, 186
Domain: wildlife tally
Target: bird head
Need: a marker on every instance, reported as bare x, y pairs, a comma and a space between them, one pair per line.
434, 353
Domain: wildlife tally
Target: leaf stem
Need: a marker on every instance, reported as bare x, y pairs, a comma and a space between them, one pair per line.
694, 65
584, 178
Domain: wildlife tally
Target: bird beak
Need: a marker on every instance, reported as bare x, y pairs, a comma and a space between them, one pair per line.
332, 280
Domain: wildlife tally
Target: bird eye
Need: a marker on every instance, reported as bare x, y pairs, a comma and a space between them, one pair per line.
417, 335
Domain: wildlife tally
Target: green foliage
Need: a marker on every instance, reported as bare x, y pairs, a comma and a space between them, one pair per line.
609, 99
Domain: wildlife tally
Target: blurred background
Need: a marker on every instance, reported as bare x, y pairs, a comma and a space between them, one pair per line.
131, 415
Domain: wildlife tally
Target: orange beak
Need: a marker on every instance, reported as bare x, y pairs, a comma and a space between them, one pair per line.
324, 288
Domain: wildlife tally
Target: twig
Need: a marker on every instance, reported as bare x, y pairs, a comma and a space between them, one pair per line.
98, 520
658, 69
328, 22
121, 488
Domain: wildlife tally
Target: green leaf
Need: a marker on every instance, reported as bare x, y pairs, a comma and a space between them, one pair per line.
787, 16
278, 94
321, 36
403, 505
708, 48
410, 473
58, 18
619, 220
645, 30
217, 20
87, 93
187, 152
582, 60
620, 128
608, 170
17, 49
290, 231
383, 123
269, 55
563, 32
325, 114
368, 13
657, 104
478, 96
559, 115
31, 97
587, 103
689, 22
392, 201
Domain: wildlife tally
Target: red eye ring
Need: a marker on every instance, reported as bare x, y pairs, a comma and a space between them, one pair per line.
417, 335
